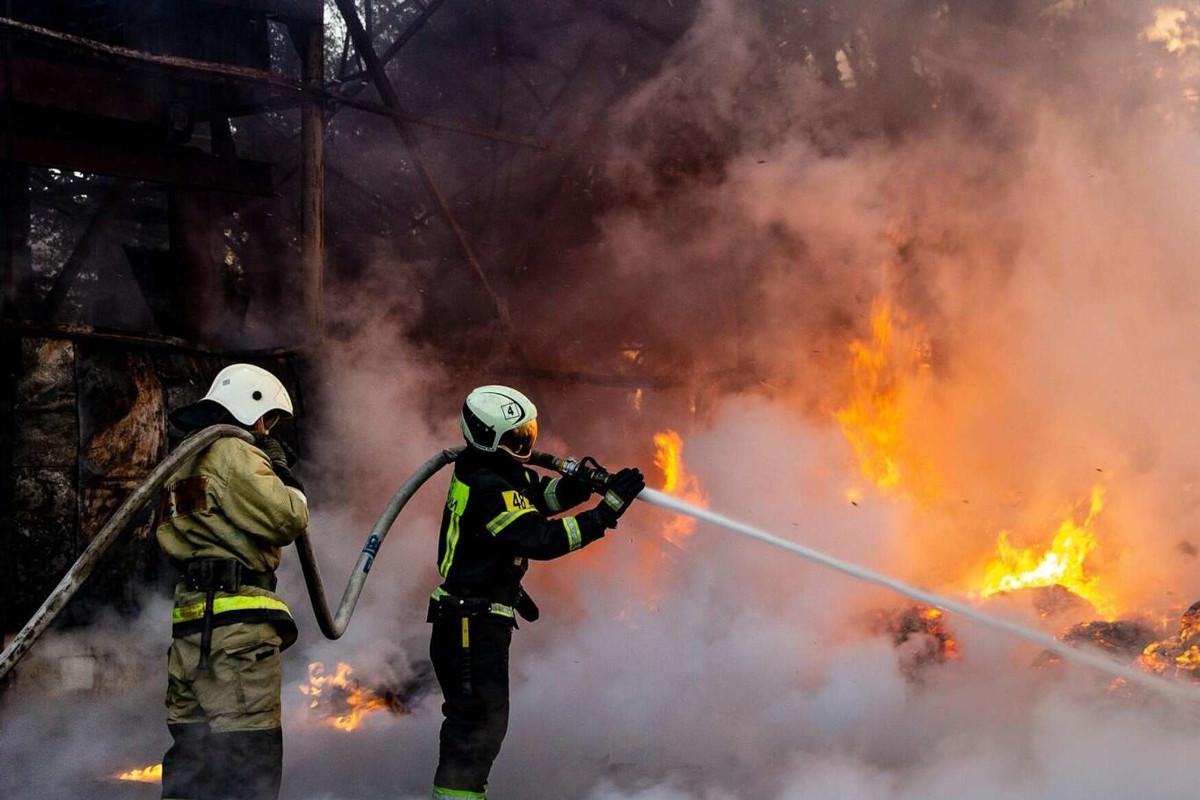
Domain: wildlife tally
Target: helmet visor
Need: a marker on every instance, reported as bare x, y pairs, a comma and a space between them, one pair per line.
519, 441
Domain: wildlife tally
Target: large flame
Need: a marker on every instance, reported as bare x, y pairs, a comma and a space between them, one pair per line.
884, 373
889, 390
677, 481
150, 774
339, 700
1061, 564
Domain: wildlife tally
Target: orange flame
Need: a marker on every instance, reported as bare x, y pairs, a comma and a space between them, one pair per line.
1177, 655
935, 625
889, 379
1061, 564
668, 457
883, 372
150, 774
339, 700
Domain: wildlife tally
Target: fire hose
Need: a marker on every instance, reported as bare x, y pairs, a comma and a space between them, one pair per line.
106, 538
334, 623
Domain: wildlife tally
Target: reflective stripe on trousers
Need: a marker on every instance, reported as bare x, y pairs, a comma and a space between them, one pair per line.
229, 603
441, 793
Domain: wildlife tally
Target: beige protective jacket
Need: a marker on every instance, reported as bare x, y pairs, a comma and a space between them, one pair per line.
226, 502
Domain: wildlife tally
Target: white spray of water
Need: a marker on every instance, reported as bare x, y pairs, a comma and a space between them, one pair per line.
1089, 659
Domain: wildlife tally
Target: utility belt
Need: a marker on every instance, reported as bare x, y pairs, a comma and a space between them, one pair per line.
443, 605
223, 575
227, 576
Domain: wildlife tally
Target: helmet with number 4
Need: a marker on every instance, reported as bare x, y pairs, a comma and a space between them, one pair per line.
500, 418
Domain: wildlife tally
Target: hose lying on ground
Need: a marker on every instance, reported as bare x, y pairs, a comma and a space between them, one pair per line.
1087, 658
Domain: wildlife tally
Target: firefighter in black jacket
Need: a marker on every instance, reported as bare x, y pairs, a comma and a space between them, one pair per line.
494, 522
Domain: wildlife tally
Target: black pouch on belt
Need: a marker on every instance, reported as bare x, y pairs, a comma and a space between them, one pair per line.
526, 607
210, 575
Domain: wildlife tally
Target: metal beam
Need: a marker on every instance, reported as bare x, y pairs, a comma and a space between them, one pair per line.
185, 167
17, 328
310, 43
395, 47
293, 92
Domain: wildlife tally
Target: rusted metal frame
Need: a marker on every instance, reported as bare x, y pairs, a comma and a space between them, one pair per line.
18, 328
184, 166
345, 57
223, 72
100, 50
392, 100
395, 47
310, 44
82, 252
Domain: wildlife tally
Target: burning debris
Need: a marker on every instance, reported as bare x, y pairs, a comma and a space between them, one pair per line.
342, 701
1179, 655
1122, 639
921, 637
150, 774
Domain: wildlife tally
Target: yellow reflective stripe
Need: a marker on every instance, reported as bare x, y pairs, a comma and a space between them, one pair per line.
232, 603
504, 519
451, 543
466, 630
457, 794
613, 500
501, 610
574, 535
439, 593
456, 501
552, 495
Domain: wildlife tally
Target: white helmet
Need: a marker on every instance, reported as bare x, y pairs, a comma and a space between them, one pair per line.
247, 392
500, 418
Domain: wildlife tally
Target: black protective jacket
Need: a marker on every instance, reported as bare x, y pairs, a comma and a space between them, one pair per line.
496, 519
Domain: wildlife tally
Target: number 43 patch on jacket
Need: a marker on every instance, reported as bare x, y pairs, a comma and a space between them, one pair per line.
515, 501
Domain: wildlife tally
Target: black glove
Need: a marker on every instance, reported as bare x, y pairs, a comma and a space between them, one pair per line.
622, 489
274, 449
281, 459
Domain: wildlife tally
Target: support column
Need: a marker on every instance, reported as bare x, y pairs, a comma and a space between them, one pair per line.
310, 43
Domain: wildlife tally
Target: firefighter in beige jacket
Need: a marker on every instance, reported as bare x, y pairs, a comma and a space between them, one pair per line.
226, 515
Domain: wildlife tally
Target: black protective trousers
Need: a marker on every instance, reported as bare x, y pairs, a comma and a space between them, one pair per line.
470, 659
238, 765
